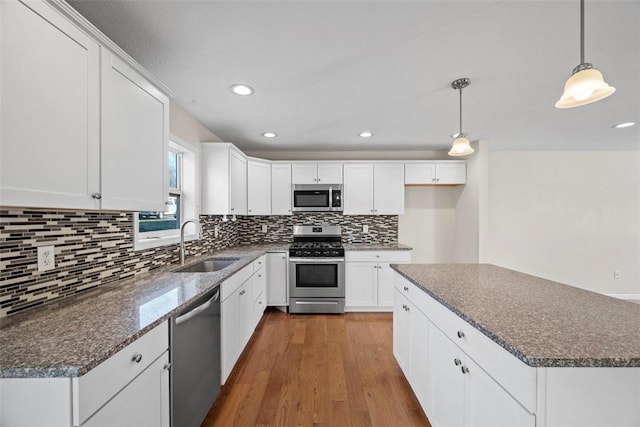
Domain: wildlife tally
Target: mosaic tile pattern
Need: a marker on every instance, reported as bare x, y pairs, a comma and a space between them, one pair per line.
96, 247
382, 228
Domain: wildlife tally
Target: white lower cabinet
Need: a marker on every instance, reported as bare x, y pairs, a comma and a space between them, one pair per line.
277, 283
453, 389
131, 388
369, 279
138, 404
243, 303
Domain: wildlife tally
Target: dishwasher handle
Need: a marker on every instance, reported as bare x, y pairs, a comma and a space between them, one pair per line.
199, 309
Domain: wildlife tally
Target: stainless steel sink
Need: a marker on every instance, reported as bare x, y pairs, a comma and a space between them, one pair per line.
208, 265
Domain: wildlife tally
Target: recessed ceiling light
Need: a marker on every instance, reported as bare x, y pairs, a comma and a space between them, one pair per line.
240, 89
269, 134
366, 134
624, 125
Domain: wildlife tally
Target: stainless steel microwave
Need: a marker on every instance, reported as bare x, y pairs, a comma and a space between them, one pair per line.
317, 198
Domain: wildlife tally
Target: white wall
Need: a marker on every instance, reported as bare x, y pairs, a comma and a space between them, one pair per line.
187, 128
429, 223
572, 217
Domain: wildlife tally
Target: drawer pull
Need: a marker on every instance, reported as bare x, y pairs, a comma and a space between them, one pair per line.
136, 358
460, 334
97, 196
457, 362
406, 289
464, 370
167, 366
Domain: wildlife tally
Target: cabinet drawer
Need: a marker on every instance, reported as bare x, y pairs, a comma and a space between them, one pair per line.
417, 296
92, 390
230, 285
378, 256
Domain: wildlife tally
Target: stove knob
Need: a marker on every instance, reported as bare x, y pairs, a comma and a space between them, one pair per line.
317, 253
307, 253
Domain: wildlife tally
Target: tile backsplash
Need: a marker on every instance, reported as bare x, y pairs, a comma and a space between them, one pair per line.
94, 248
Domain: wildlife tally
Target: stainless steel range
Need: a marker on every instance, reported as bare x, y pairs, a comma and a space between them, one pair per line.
316, 270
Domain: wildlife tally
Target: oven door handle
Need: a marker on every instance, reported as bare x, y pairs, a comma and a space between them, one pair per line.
317, 260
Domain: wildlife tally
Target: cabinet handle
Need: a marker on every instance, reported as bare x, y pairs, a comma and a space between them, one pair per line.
437, 179
97, 196
232, 209
259, 275
249, 210
242, 292
433, 180
136, 358
167, 366
460, 334
406, 289
464, 370
457, 362
406, 308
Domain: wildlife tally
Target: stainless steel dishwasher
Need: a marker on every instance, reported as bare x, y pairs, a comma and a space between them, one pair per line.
195, 361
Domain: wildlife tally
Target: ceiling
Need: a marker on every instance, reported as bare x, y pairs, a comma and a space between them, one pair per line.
323, 71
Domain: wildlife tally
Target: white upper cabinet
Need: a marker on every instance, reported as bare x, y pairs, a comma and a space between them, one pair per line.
258, 187
316, 173
373, 188
74, 135
224, 179
448, 172
50, 106
135, 130
281, 189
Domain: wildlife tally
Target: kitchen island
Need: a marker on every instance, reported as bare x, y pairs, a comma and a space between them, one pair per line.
484, 345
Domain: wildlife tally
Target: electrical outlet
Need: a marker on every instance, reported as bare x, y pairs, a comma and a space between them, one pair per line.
46, 258
365, 228
264, 228
216, 231
616, 274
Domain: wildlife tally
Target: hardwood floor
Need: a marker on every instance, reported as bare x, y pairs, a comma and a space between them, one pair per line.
318, 370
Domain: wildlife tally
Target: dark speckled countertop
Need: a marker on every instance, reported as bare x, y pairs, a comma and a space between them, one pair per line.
68, 338
541, 322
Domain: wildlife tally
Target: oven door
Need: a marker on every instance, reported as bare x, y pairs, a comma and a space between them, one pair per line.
316, 278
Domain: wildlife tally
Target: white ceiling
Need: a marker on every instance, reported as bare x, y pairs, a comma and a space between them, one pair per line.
325, 70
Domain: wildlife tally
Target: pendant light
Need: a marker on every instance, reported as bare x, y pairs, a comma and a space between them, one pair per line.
586, 84
460, 146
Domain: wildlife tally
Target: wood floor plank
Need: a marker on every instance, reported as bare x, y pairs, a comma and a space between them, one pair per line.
318, 370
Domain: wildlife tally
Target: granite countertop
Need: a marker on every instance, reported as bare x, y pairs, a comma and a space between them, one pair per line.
541, 322
376, 247
70, 337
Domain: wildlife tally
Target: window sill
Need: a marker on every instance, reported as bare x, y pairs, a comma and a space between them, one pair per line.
155, 242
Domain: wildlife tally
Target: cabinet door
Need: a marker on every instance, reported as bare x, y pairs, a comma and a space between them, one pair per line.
258, 188
358, 189
488, 404
143, 402
304, 173
330, 173
388, 185
49, 110
419, 357
237, 182
135, 128
451, 173
361, 284
419, 173
245, 313
385, 285
401, 328
280, 189
277, 279
230, 332
446, 380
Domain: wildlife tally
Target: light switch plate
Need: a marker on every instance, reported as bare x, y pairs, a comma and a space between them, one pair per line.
264, 228
46, 258
365, 228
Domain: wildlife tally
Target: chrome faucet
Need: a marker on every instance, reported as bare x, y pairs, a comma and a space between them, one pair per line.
198, 228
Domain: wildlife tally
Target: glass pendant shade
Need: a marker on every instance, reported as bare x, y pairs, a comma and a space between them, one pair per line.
584, 87
460, 147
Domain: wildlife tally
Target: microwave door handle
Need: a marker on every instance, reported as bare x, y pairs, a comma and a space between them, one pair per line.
330, 198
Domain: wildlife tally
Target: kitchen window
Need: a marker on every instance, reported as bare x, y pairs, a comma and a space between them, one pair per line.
153, 229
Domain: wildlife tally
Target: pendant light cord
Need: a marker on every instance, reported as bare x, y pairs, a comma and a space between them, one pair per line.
460, 134
581, 31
